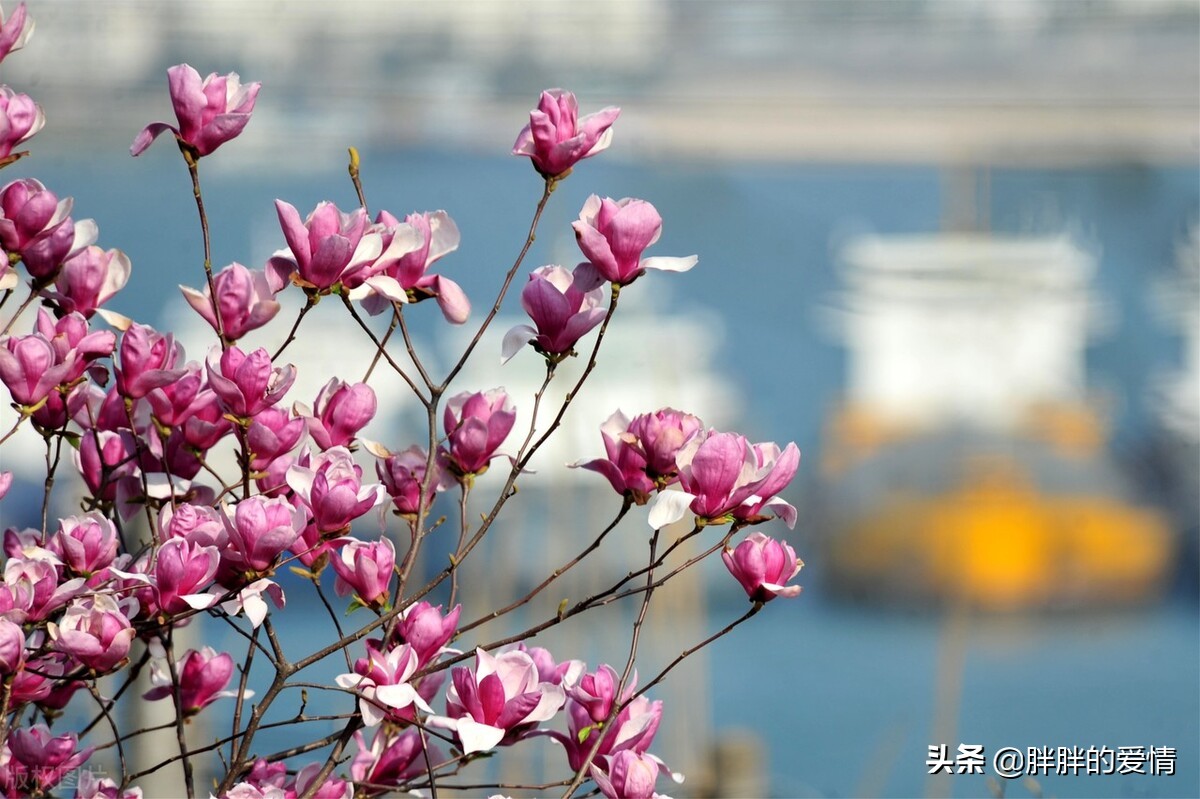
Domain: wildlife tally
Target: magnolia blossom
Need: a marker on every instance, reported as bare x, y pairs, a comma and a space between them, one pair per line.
365, 569
250, 600
499, 700
75, 342
33, 588
95, 631
31, 369
403, 474
341, 410
381, 681
247, 384
91, 786
203, 675
40, 759
146, 360
401, 272
244, 297
12, 647
763, 566
564, 305
20, 119
556, 138
89, 279
86, 544
596, 692
642, 452
14, 31
259, 530
613, 234
36, 225
324, 249
390, 760
723, 476
210, 112
272, 433
633, 729
476, 425
332, 489
627, 775
426, 630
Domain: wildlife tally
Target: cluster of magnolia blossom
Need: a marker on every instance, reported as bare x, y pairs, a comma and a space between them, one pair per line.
83, 598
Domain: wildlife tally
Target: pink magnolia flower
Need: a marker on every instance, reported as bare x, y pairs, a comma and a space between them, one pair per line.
332, 489
389, 761
564, 305
89, 279
74, 342
245, 298
20, 119
426, 630
500, 700
210, 112
365, 569
401, 272
14, 31
627, 775
633, 729
763, 566
613, 234
403, 474
249, 600
41, 759
723, 476
341, 411
323, 250
272, 433
172, 404
103, 459
147, 360
86, 544
260, 530
381, 681
566, 673
247, 384
31, 369
476, 425
12, 648
556, 138
199, 524
183, 570
641, 453
203, 675
95, 631
596, 691
34, 587
92, 786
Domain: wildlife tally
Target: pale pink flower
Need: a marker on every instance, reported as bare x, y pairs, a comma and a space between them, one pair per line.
556, 138
86, 544
249, 600
499, 701
95, 631
401, 272
34, 587
763, 566
90, 278
6, 481
75, 342
210, 112
92, 786
273, 433
20, 119
381, 681
12, 647
627, 775
245, 298
403, 474
14, 31
613, 234
724, 477
563, 305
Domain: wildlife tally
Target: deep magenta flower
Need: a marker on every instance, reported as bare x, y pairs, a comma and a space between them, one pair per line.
391, 760
763, 566
14, 31
403, 474
341, 410
596, 691
30, 368
203, 675
20, 119
322, 249
476, 425
365, 569
564, 305
723, 476
641, 453
95, 631
183, 570
498, 701
210, 112
12, 647
613, 234
74, 342
103, 459
245, 299
632, 730
89, 279
556, 138
627, 775
247, 384
401, 273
